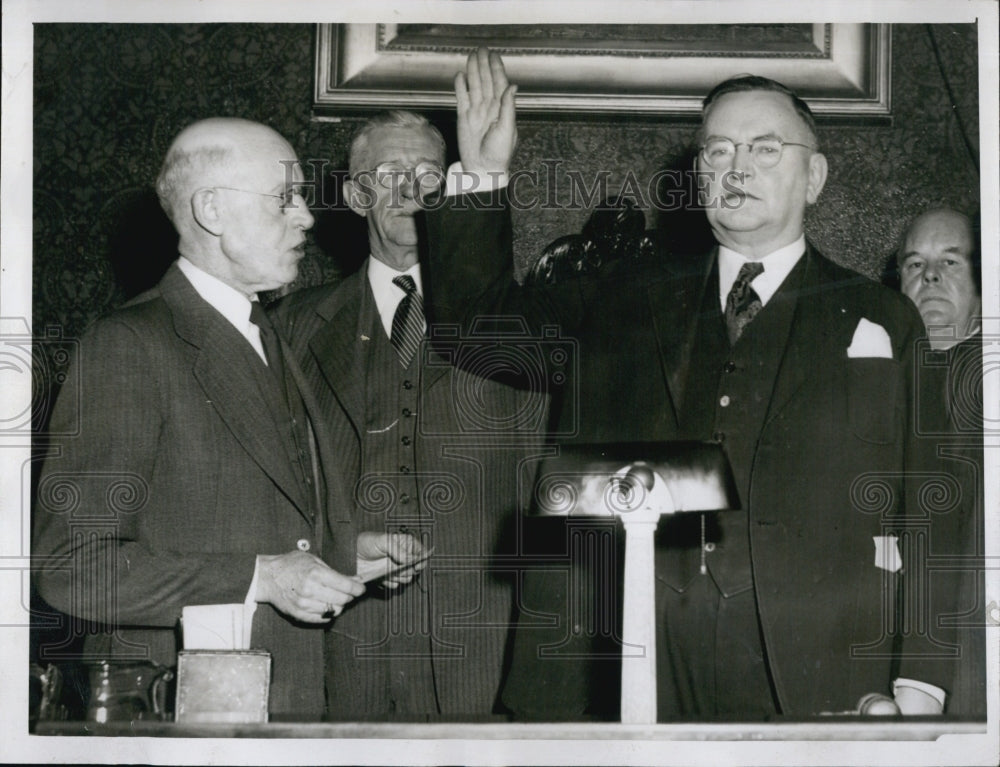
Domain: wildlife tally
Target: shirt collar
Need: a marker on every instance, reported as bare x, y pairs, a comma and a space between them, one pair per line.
387, 295
225, 299
777, 265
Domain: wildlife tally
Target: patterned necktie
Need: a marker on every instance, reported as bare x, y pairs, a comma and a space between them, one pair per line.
408, 322
269, 340
742, 303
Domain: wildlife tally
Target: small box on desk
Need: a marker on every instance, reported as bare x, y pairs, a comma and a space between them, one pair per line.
223, 685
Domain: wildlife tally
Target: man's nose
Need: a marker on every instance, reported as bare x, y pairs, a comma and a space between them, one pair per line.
931, 274
301, 213
743, 159
408, 186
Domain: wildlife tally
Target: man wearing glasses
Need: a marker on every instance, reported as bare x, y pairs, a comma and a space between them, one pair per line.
191, 475
427, 449
800, 368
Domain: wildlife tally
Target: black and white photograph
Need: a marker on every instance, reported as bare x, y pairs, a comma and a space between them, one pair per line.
498, 382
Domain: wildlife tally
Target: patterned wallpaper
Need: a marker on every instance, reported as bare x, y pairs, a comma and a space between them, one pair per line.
110, 98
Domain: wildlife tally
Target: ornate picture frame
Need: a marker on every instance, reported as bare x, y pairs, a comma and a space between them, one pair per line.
842, 70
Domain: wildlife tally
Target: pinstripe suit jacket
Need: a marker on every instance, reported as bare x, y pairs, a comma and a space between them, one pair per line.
470, 595
169, 478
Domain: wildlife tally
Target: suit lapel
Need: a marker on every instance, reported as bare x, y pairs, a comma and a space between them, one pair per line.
339, 345
337, 507
674, 305
222, 370
821, 330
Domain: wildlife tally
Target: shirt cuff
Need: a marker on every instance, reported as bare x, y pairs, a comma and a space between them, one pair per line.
460, 181
935, 692
251, 600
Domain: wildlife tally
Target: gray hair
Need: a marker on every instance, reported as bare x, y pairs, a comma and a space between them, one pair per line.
395, 118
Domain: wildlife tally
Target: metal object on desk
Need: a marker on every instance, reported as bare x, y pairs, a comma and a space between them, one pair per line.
45, 690
223, 685
637, 483
125, 691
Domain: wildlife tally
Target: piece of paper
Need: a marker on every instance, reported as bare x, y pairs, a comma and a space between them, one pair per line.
217, 627
375, 569
887, 554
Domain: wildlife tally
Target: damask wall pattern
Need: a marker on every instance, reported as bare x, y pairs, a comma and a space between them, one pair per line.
110, 98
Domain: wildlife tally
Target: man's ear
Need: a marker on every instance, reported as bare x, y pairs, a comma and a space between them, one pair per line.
817, 177
359, 199
206, 212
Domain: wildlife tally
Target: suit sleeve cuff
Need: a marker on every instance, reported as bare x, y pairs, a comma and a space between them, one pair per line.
460, 181
934, 691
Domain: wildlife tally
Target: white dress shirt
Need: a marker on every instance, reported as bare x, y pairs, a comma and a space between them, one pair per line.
387, 295
226, 300
777, 266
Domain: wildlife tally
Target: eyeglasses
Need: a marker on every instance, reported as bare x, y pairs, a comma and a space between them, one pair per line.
718, 152
390, 175
287, 197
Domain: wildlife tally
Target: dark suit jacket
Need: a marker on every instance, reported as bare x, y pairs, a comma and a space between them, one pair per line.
946, 646
470, 594
174, 478
825, 477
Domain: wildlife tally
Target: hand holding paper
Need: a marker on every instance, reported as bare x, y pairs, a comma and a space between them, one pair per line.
395, 557
304, 586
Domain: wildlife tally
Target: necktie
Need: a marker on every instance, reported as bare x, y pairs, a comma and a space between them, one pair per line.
269, 340
742, 303
408, 322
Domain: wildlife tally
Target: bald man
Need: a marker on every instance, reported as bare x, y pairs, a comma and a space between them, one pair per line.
194, 476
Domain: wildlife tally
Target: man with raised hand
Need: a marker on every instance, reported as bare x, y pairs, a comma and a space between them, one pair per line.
798, 367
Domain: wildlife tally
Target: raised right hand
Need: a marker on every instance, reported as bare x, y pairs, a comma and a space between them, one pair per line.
487, 131
303, 586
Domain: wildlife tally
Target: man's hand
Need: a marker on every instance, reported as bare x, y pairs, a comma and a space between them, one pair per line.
389, 554
304, 587
487, 133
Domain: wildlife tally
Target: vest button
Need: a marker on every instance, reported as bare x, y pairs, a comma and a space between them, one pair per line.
724, 400
406, 412
719, 436
303, 545
729, 367
709, 547
405, 440
407, 384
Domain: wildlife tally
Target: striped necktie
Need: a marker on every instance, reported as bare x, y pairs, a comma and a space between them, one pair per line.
408, 322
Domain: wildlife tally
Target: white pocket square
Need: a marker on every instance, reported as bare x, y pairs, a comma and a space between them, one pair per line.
870, 340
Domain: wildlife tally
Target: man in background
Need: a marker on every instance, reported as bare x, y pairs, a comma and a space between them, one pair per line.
939, 266
193, 477
425, 448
